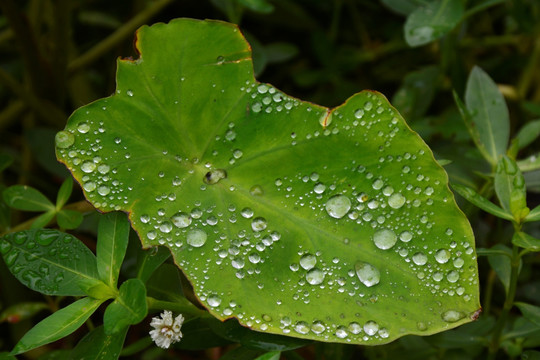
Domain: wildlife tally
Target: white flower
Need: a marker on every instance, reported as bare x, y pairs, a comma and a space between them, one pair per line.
166, 331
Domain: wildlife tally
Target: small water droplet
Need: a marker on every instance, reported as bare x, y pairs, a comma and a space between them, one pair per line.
384, 239
256, 190
196, 237
355, 328
442, 256
214, 176
419, 258
247, 213
341, 332
396, 201
258, 224
315, 276
88, 166
319, 188
83, 127
318, 327
452, 316
301, 327
338, 206
165, 227
181, 220
405, 236
214, 300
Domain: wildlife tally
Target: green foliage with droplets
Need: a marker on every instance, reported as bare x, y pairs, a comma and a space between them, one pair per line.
327, 224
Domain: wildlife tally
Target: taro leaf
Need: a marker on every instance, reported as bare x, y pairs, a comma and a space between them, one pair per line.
327, 224
49, 261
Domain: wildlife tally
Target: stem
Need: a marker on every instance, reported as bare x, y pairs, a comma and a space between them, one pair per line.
184, 307
508, 304
117, 37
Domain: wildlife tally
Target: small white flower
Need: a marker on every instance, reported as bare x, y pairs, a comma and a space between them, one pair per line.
166, 331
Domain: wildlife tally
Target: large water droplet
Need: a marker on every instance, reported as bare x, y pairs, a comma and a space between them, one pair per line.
338, 206
452, 316
396, 200
258, 224
318, 327
247, 213
367, 274
196, 237
165, 227
301, 327
419, 258
83, 127
181, 220
315, 276
88, 166
442, 256
355, 328
371, 328
341, 332
214, 300
308, 261
64, 139
384, 239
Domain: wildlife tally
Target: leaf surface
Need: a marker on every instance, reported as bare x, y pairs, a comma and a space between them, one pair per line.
326, 224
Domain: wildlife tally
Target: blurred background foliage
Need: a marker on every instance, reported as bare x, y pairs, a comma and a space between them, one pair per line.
57, 55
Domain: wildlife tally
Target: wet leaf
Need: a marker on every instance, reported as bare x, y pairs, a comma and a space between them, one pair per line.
113, 236
488, 114
97, 345
61, 323
49, 261
277, 210
432, 21
22, 197
129, 307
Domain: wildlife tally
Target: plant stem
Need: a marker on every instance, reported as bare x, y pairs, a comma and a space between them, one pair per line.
508, 304
117, 37
184, 307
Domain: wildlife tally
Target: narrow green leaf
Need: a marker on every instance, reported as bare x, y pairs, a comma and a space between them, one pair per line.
472, 196
530, 164
481, 6
69, 219
528, 133
403, 7
49, 261
198, 335
526, 241
61, 323
415, 95
432, 21
129, 307
534, 215
501, 264
530, 355
22, 311
273, 355
43, 219
113, 237
64, 193
5, 213
260, 6
22, 197
489, 114
510, 187
149, 260
530, 312
165, 283
4, 355
97, 345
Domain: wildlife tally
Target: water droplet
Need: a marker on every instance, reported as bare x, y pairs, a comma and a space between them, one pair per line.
258, 224
238, 263
181, 220
83, 127
103, 190
452, 316
145, 218
419, 258
301, 327
368, 105
377, 184
442, 256
383, 333
88, 166
396, 200
405, 236
371, 328
458, 263
103, 169
64, 139
308, 261
315, 276
254, 258
341, 332
214, 176
165, 227
355, 328
196, 237
452, 276
367, 274
421, 326
214, 300
359, 113
247, 213
256, 190
318, 327
384, 239
338, 206
319, 188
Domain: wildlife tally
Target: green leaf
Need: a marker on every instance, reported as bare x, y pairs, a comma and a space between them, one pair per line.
129, 307
530, 355
5, 161
149, 260
528, 133
526, 241
501, 264
531, 163
97, 345
22, 311
273, 355
113, 236
48, 261
260, 6
241, 353
165, 283
60, 324
22, 197
403, 7
530, 312
416, 93
489, 115
69, 219
198, 335
64, 193
43, 219
534, 215
510, 188
5, 213
432, 21
277, 210
472, 196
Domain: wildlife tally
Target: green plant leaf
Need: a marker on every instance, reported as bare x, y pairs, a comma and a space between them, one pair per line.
510, 188
526, 241
432, 21
5, 161
530, 312
273, 355
528, 133
530, 355
501, 264
129, 307
260, 6
277, 210
530, 164
69, 219
113, 237
64, 193
43, 219
534, 215
22, 311
97, 345
165, 283
471, 195
489, 115
61, 323
49, 261
22, 197
416, 93
403, 7
149, 260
